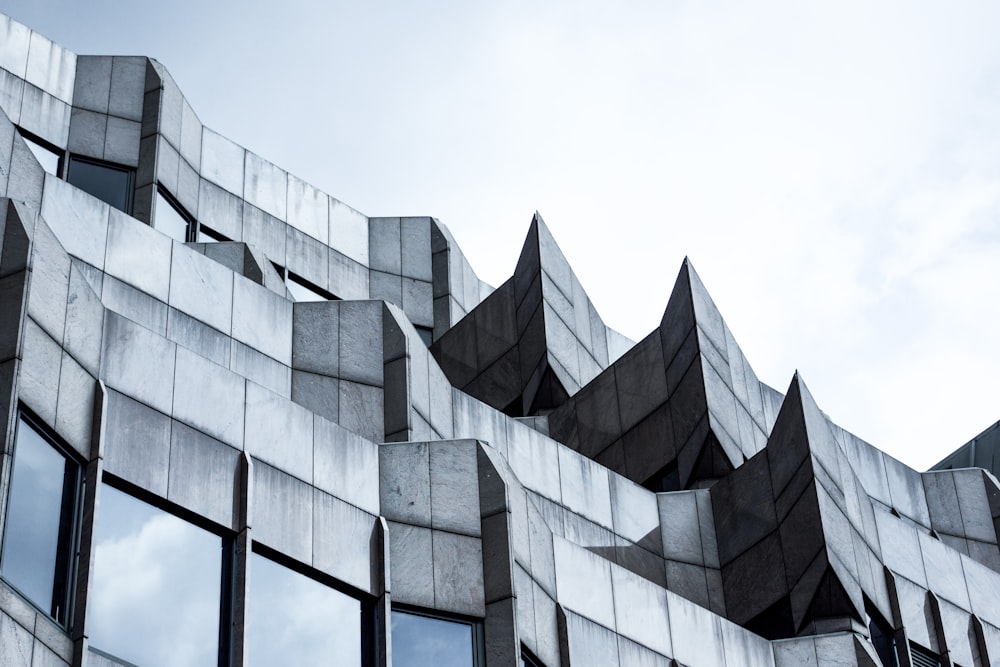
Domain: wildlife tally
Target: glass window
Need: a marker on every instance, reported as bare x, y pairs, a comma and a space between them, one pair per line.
207, 235
303, 290
46, 157
428, 641
39, 536
426, 334
295, 620
169, 220
155, 595
108, 182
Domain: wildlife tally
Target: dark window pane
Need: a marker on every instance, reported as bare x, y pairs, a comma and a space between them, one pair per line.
32, 560
295, 620
168, 220
45, 157
155, 595
106, 182
423, 641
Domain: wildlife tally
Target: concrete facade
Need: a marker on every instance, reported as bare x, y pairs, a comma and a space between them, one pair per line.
422, 441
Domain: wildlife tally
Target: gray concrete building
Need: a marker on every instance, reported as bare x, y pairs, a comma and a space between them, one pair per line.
245, 424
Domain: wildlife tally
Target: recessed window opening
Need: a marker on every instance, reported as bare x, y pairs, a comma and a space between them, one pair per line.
48, 155
156, 594
426, 639
209, 235
528, 658
426, 334
303, 290
298, 617
41, 533
170, 217
111, 183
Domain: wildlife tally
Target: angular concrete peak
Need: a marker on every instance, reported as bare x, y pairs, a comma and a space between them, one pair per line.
533, 342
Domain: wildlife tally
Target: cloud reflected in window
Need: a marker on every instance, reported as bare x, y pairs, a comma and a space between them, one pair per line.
155, 593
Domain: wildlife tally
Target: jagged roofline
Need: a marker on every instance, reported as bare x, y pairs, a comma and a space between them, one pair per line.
533, 342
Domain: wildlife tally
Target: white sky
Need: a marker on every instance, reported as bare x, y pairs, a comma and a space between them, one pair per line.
833, 170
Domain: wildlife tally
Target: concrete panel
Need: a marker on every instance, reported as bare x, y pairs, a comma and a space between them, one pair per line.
411, 564
585, 487
262, 319
458, 573
641, 610
44, 115
701, 630
415, 239
209, 397
128, 85
361, 410
260, 369
204, 475
405, 482
222, 161
138, 255
79, 221
87, 133
384, 245
75, 405
319, 394
265, 185
574, 565
15, 643
121, 144
201, 338
589, 644
348, 231
308, 209
635, 513
14, 40
84, 322
283, 512
138, 363
191, 133
279, 432
135, 305
346, 465
265, 232
348, 278
220, 210
454, 483
201, 288
51, 67
137, 445
360, 324
49, 282
342, 541
306, 257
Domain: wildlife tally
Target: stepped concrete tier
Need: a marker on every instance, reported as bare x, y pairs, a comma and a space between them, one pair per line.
244, 423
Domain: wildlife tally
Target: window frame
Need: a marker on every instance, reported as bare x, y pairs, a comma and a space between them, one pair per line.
113, 166
191, 231
70, 521
227, 555
60, 153
367, 602
477, 625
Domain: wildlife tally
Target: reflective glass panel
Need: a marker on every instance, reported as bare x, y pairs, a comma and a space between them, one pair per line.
106, 182
168, 220
295, 620
302, 292
423, 641
155, 592
42, 482
45, 157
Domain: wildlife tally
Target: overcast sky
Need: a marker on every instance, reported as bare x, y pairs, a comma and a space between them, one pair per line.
833, 171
